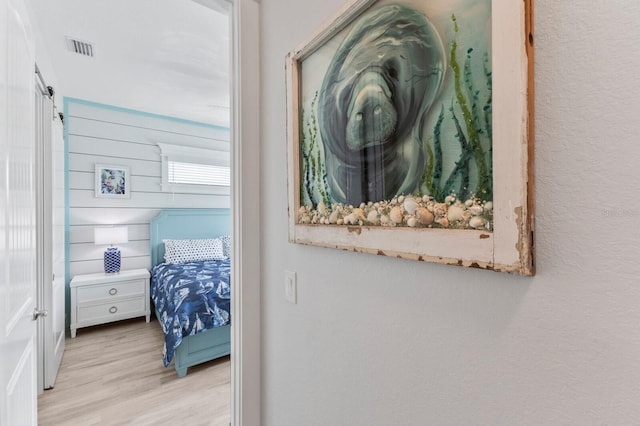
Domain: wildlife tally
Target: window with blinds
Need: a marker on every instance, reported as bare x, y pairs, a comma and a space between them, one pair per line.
194, 170
198, 174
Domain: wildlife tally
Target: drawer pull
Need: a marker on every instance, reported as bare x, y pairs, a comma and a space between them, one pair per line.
113, 309
113, 291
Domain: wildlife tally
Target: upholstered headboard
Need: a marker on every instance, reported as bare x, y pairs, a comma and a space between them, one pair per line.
186, 224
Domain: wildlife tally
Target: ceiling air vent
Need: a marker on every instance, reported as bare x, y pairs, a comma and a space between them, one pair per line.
81, 47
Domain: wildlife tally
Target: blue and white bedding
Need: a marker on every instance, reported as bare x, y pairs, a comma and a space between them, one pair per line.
189, 298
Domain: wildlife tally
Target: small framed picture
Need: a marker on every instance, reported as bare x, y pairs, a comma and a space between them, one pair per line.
112, 181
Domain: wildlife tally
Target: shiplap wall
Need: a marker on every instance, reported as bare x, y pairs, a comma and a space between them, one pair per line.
110, 135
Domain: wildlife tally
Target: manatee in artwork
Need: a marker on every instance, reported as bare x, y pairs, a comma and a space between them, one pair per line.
375, 94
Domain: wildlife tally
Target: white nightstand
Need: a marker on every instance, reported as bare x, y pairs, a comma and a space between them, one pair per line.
101, 298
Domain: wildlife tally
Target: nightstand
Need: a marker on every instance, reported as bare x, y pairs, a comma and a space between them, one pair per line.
102, 298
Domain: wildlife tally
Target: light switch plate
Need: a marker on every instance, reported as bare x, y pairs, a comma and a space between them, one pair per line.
290, 287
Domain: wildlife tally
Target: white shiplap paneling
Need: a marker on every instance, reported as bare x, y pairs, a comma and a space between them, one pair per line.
159, 200
109, 135
87, 215
84, 233
86, 162
92, 266
140, 120
91, 251
86, 181
110, 148
117, 132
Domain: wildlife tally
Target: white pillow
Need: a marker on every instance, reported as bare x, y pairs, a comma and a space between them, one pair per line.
180, 251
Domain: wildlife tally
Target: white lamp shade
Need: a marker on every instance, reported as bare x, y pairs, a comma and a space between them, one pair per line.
111, 235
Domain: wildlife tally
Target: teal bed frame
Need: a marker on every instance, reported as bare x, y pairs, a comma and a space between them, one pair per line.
190, 224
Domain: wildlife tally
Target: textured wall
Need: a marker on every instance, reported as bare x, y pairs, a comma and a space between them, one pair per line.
378, 341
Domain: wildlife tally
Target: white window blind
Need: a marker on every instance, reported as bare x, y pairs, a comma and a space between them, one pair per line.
192, 170
198, 174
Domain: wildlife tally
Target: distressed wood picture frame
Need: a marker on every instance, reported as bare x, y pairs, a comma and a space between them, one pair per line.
410, 133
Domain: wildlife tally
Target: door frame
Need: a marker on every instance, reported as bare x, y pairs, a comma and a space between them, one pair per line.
245, 202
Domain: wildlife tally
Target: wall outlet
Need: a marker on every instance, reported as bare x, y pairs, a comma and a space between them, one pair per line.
290, 287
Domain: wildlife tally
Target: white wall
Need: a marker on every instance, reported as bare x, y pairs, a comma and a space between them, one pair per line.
381, 341
115, 136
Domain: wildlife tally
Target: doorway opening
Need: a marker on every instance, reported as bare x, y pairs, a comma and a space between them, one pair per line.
78, 244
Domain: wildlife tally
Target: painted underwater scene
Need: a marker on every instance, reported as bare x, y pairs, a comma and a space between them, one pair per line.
396, 120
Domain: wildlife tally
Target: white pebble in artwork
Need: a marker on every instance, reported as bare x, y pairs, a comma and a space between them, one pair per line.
396, 215
410, 205
476, 222
322, 209
404, 210
476, 210
455, 213
333, 217
424, 216
359, 213
372, 217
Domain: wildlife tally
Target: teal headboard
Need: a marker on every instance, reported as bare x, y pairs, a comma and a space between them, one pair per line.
186, 224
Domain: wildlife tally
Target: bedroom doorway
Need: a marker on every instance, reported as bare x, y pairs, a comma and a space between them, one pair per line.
245, 177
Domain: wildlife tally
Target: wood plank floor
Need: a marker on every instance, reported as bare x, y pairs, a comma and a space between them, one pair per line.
113, 375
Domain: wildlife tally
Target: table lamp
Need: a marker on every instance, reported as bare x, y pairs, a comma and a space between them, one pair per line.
111, 235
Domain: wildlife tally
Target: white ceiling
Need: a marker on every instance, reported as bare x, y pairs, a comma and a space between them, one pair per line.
168, 57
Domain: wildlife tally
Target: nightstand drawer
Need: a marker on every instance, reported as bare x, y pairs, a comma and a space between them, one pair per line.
105, 312
101, 298
112, 290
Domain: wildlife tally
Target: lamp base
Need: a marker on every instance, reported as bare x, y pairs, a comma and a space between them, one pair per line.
111, 260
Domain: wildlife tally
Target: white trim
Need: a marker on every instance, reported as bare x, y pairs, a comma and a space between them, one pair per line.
245, 201
190, 154
185, 188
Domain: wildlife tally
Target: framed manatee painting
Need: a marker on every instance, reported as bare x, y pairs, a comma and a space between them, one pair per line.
410, 132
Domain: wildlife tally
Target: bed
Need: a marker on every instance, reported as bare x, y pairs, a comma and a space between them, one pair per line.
207, 333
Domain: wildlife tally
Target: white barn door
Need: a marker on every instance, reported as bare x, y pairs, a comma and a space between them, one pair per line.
18, 386
50, 234
54, 322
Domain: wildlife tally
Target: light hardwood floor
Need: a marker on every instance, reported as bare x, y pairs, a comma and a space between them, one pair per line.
113, 375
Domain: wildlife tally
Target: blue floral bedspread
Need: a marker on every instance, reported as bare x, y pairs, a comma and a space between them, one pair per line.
190, 298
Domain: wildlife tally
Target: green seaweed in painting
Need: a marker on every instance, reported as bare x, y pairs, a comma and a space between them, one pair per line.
474, 135
313, 172
433, 171
487, 108
461, 169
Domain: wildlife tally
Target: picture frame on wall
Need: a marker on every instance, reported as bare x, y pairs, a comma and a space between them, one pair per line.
410, 132
112, 181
